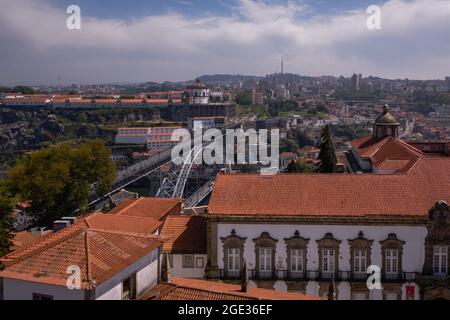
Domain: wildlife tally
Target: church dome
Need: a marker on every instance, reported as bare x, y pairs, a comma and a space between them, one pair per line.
198, 85
386, 118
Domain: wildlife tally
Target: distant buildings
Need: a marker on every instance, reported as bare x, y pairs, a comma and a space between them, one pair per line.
356, 81
156, 138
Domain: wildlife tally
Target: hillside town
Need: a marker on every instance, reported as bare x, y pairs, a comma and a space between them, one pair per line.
245, 153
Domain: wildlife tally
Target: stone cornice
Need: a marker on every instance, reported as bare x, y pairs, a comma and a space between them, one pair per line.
321, 220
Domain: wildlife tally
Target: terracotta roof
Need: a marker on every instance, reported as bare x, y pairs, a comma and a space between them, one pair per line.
198, 85
154, 208
172, 292
100, 254
380, 150
184, 234
255, 293
119, 223
194, 289
24, 238
409, 194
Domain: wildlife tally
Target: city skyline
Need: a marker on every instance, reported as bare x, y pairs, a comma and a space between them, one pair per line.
191, 38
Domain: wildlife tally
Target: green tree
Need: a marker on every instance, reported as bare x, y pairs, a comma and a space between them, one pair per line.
6, 206
327, 154
244, 98
58, 180
299, 166
248, 168
23, 89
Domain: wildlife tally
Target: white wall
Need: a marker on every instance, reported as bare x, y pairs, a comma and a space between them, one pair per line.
146, 270
413, 250
412, 260
23, 290
177, 269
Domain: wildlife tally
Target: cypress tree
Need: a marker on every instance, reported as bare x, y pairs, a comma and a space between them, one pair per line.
327, 154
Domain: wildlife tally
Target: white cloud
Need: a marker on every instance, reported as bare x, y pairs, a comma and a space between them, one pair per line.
36, 46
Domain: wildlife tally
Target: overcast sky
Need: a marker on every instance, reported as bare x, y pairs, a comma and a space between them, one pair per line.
159, 40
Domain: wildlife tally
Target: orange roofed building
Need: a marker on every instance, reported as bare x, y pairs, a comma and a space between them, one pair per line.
194, 289
299, 231
383, 152
99, 257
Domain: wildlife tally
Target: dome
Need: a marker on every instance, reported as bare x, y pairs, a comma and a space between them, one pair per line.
198, 85
386, 118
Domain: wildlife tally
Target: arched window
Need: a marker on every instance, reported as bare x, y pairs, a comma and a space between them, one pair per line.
296, 248
392, 252
360, 251
328, 256
233, 252
265, 247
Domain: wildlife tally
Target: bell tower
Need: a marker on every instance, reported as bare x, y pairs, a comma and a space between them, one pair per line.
385, 125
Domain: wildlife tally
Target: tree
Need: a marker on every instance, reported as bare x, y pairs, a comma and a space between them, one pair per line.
327, 154
244, 98
58, 180
23, 89
299, 166
6, 206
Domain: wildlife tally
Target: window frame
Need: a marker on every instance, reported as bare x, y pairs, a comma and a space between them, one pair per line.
188, 265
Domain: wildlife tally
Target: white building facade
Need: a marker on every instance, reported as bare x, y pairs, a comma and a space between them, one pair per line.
306, 257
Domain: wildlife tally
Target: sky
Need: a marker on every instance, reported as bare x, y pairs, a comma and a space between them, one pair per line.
177, 40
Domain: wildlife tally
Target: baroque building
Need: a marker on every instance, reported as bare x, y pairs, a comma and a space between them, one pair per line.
301, 232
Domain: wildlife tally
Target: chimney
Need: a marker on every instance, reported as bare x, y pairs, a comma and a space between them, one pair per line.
60, 224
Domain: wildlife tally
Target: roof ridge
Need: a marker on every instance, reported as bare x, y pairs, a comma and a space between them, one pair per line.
44, 247
126, 233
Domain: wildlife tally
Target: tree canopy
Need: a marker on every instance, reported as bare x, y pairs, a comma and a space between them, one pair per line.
299, 166
327, 153
244, 98
58, 180
6, 206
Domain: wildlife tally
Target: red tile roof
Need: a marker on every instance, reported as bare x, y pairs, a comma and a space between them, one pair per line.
100, 254
410, 194
380, 150
194, 289
255, 293
172, 292
184, 234
153, 208
128, 224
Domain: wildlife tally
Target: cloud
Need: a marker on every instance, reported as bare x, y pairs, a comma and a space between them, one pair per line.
37, 46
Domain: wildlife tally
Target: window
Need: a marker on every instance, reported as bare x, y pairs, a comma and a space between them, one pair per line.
360, 262
129, 288
391, 262
41, 297
392, 249
440, 260
296, 260
233, 259
265, 259
199, 262
188, 261
328, 260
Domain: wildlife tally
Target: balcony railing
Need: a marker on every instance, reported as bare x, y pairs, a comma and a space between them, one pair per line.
311, 275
